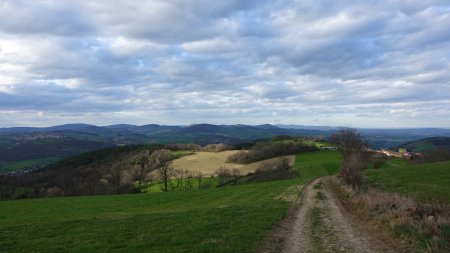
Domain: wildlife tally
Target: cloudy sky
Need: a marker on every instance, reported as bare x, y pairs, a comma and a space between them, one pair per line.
313, 62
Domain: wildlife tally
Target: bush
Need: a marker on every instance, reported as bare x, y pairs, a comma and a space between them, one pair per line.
264, 151
223, 175
274, 170
351, 171
217, 147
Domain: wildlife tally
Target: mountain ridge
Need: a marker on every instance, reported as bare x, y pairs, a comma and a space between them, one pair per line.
33, 146
426, 144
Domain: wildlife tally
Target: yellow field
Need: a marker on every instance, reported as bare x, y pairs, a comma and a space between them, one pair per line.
208, 162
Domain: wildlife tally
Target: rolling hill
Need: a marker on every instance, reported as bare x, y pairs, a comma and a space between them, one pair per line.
25, 147
37, 147
228, 219
426, 144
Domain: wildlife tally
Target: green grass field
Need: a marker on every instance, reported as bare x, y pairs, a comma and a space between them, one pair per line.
159, 186
317, 164
426, 182
229, 219
179, 154
8, 166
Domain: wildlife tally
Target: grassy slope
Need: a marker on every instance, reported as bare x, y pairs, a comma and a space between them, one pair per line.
427, 182
317, 164
426, 144
8, 166
231, 219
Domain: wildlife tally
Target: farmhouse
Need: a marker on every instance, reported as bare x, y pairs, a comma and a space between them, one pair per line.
392, 153
376, 154
407, 156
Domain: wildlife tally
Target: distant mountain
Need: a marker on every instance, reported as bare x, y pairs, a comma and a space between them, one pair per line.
43, 129
321, 128
426, 144
429, 132
37, 146
122, 126
386, 138
267, 126
69, 127
206, 133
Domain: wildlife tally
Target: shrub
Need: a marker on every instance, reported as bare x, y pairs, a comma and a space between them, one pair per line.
351, 171
264, 151
217, 147
223, 175
274, 170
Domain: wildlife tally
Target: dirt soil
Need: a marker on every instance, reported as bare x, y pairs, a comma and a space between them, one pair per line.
319, 223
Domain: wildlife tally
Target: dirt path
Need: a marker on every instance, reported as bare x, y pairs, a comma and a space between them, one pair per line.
318, 223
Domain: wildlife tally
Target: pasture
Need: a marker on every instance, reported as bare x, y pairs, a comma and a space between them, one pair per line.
229, 219
208, 162
425, 182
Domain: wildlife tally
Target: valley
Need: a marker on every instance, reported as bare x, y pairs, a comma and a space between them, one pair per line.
306, 208
32, 148
225, 219
226, 126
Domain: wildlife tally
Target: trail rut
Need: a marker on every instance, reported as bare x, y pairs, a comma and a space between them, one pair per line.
318, 223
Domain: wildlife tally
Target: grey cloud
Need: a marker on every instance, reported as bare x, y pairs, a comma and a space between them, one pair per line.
39, 17
181, 62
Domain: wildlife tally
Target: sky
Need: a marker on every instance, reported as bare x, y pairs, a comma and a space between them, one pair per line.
372, 63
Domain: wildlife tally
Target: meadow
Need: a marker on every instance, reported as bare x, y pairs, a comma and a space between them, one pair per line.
425, 182
208, 162
421, 219
228, 219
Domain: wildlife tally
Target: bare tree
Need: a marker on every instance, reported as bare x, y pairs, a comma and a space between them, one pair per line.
189, 179
351, 170
275, 170
140, 170
262, 151
161, 160
115, 172
180, 175
223, 174
348, 141
199, 177
235, 173
352, 147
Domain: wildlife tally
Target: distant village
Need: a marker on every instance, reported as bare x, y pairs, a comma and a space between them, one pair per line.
401, 153
382, 153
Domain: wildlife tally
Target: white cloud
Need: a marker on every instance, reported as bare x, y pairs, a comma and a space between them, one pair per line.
322, 62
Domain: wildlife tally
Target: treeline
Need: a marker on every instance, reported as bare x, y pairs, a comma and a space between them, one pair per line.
107, 171
277, 169
274, 170
219, 147
262, 151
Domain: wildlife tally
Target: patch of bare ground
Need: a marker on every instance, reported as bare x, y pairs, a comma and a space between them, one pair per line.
284, 234
319, 223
